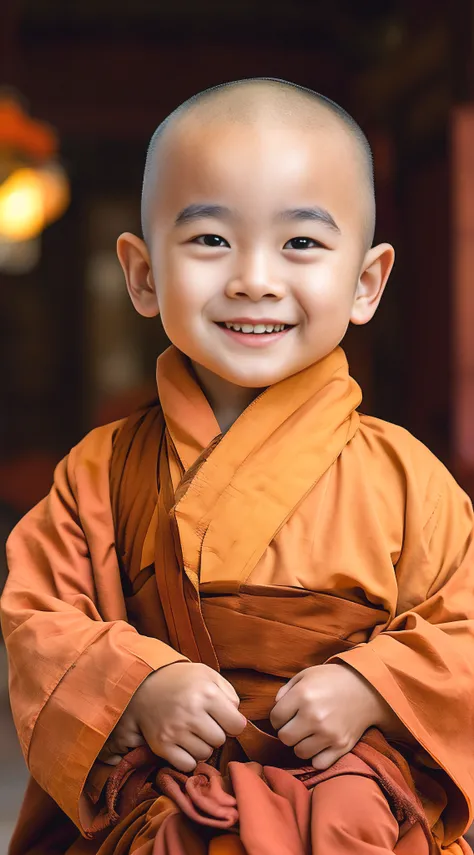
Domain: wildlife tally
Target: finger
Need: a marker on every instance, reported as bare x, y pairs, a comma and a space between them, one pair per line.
124, 742
226, 715
132, 740
114, 760
285, 710
209, 731
196, 747
311, 746
228, 689
282, 691
178, 757
325, 759
109, 758
110, 748
295, 731
289, 685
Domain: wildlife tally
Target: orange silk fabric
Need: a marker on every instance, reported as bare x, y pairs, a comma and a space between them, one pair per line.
366, 797
306, 533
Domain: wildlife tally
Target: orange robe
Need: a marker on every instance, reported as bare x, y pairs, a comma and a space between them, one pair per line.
306, 533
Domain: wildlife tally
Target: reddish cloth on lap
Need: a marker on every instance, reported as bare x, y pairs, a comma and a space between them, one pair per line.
158, 810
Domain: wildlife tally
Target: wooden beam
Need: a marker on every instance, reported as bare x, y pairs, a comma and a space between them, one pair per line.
463, 293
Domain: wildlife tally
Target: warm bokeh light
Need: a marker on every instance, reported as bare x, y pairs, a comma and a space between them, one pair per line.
19, 132
56, 194
34, 189
21, 206
30, 199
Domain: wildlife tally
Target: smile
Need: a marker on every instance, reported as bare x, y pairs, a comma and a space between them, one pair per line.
255, 334
256, 329
260, 327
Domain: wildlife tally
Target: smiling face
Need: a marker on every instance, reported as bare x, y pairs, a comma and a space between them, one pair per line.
256, 252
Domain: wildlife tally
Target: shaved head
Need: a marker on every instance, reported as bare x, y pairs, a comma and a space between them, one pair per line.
258, 214
276, 102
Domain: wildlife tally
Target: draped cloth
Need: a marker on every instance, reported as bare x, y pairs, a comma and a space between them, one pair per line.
268, 809
306, 534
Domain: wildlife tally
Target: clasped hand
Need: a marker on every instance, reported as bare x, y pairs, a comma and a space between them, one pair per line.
323, 711
186, 710
183, 712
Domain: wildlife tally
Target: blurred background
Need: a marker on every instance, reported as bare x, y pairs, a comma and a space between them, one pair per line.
85, 84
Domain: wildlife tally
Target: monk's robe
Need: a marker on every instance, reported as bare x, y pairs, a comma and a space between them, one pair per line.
276, 811
307, 533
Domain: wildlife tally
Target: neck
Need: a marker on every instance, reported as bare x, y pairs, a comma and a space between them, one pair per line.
227, 400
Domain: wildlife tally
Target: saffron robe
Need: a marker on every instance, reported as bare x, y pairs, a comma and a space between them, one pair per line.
340, 531
157, 811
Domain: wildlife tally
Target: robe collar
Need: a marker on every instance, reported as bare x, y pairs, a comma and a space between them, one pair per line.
262, 468
190, 420
192, 424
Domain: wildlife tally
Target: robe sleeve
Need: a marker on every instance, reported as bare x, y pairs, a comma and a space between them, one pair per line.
423, 663
74, 661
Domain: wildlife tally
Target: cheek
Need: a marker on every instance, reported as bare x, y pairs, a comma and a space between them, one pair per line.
327, 290
184, 286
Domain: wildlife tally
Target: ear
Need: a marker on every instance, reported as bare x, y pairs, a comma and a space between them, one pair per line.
376, 268
135, 260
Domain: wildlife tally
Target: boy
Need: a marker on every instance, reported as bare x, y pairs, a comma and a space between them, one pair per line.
250, 570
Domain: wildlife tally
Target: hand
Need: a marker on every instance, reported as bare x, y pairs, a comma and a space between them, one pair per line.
323, 711
124, 737
183, 711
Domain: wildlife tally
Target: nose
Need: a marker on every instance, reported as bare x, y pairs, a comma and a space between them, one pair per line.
254, 280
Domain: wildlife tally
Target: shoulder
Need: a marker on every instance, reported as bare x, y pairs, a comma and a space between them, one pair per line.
398, 458
96, 444
398, 447
388, 437
87, 464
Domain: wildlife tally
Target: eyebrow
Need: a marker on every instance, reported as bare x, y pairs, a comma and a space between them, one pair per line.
199, 212
203, 211
317, 214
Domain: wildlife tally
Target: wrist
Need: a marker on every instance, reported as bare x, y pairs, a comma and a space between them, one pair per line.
380, 714
374, 710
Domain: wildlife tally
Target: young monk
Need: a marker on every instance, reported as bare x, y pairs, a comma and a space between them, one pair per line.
242, 620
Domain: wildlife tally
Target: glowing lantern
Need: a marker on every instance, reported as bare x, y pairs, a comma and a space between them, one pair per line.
21, 206
29, 200
34, 189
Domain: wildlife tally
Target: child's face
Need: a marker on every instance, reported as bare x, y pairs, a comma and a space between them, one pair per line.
259, 228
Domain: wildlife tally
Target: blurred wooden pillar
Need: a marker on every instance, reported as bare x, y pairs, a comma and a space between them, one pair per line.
463, 294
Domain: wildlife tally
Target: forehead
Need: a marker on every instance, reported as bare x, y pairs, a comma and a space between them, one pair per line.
258, 166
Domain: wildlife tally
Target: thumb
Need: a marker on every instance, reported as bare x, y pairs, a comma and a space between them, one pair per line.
113, 760
228, 690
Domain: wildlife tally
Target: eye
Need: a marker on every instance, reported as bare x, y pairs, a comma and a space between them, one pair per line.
211, 240
302, 243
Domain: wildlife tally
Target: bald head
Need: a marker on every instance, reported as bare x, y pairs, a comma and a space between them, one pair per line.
269, 100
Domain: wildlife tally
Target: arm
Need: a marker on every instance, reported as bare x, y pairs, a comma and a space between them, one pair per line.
422, 665
75, 662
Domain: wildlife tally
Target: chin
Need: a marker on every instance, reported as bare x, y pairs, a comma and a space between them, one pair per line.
258, 380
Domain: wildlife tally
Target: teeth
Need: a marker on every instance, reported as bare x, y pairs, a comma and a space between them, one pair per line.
257, 329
